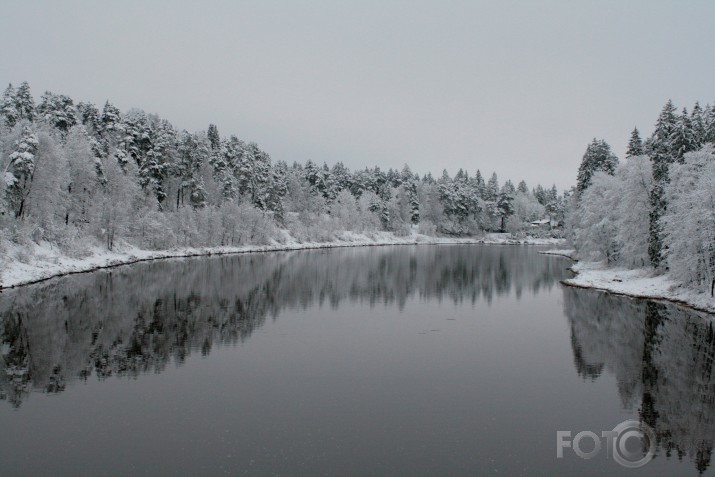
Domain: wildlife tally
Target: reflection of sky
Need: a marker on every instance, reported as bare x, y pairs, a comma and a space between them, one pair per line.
516, 87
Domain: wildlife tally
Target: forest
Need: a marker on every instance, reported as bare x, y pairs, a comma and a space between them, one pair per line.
76, 176
656, 209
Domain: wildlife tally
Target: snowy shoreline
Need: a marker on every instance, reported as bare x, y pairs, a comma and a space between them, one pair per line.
48, 263
637, 283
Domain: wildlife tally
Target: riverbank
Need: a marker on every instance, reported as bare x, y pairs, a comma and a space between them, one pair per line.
638, 283
24, 265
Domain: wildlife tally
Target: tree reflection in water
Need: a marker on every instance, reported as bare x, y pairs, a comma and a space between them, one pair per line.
662, 358
138, 319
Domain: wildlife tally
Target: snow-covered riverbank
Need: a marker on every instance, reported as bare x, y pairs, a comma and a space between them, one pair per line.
638, 283
22, 266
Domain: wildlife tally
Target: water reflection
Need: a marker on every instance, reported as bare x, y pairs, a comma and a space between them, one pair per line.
139, 319
662, 358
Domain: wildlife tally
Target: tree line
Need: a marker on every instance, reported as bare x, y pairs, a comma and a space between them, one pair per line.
657, 208
74, 173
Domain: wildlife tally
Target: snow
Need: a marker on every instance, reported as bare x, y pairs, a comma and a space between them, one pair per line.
22, 265
9, 179
638, 283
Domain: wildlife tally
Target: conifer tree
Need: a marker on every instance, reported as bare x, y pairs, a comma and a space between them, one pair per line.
24, 104
635, 144
709, 121
57, 110
683, 138
697, 122
662, 155
491, 192
598, 157
8, 107
480, 184
522, 187
505, 203
214, 137
414, 202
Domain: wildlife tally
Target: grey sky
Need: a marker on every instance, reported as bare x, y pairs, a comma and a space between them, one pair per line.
519, 88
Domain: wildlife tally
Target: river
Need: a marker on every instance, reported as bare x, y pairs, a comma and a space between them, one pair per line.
448, 360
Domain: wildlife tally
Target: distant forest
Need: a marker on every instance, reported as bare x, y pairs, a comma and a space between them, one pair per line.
75, 175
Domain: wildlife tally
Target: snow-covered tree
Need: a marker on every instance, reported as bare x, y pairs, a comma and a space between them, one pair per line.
636, 182
595, 232
689, 222
699, 125
214, 138
156, 162
20, 170
83, 180
48, 200
24, 104
523, 188
505, 203
114, 207
635, 144
57, 110
683, 138
8, 106
662, 154
598, 157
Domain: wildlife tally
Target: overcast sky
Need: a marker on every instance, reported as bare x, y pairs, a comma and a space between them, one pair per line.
519, 88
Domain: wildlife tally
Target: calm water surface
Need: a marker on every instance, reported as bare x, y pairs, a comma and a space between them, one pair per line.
388, 361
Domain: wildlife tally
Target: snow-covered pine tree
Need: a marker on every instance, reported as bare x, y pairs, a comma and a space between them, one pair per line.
278, 188
523, 188
552, 203
709, 120
332, 189
683, 138
110, 130
661, 148
110, 119
491, 192
260, 177
635, 144
662, 156
214, 137
414, 201
480, 184
57, 110
192, 152
598, 157
228, 171
697, 122
24, 104
341, 176
409, 184
505, 203
89, 117
8, 108
393, 178
155, 167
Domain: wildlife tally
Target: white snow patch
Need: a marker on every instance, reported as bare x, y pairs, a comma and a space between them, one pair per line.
639, 283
